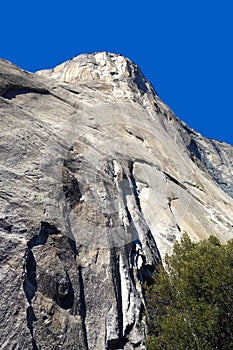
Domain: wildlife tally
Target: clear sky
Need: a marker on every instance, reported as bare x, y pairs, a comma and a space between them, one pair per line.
184, 47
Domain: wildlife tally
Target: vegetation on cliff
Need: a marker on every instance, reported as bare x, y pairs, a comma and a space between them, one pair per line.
190, 304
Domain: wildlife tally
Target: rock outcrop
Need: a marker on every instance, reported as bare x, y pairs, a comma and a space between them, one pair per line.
98, 179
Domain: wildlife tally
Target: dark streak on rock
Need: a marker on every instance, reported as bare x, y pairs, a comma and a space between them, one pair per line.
135, 189
82, 305
117, 287
29, 273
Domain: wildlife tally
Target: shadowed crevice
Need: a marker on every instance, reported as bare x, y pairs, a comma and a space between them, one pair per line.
116, 276
11, 93
82, 303
29, 273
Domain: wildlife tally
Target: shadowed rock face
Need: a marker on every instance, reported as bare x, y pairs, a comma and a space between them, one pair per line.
98, 179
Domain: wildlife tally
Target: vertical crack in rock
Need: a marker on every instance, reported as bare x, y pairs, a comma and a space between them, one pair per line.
70, 183
82, 305
114, 259
29, 273
54, 288
173, 237
135, 189
135, 262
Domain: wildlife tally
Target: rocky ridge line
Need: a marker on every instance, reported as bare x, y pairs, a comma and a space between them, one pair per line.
98, 179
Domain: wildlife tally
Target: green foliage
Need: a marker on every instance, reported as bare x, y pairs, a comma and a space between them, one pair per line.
190, 304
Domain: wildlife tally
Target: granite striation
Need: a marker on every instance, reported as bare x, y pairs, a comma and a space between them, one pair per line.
98, 179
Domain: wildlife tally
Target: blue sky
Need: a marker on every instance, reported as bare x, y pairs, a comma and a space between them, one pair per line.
183, 47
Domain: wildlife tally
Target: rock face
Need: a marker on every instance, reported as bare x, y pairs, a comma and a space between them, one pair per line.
98, 179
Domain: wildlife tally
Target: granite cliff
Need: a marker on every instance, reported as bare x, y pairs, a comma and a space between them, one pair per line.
98, 179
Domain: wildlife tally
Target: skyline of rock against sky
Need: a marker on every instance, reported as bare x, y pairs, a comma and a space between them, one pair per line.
98, 179
184, 49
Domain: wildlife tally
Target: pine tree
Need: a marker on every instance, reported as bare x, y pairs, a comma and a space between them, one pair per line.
190, 303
